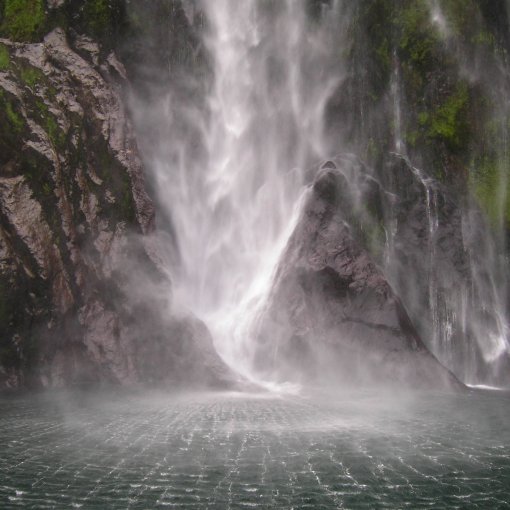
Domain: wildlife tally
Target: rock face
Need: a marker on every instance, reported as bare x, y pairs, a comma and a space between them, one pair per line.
331, 313
440, 261
83, 296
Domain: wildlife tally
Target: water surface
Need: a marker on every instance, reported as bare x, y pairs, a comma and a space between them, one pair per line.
233, 450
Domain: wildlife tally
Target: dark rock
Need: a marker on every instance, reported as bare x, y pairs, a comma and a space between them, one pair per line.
440, 262
332, 314
79, 259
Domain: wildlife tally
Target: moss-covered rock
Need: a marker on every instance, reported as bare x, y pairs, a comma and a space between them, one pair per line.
23, 20
448, 122
5, 59
71, 190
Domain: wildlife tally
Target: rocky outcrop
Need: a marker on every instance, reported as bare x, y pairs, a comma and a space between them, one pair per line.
331, 313
84, 297
440, 259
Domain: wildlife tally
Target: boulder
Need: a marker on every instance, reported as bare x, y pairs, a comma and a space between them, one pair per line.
331, 314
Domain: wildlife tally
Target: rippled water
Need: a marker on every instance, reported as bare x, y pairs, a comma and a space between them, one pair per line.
229, 450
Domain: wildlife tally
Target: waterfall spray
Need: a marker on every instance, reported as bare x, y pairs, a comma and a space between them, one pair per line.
274, 70
232, 178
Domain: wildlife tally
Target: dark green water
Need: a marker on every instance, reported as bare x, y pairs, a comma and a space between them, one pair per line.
234, 451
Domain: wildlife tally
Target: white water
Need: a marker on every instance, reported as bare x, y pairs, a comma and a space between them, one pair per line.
233, 209
231, 168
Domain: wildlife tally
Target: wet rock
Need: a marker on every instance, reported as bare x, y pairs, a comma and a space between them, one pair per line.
79, 258
332, 314
440, 260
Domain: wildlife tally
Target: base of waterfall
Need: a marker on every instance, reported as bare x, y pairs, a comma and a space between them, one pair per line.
342, 449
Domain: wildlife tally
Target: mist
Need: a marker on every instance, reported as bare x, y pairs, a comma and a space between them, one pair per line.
279, 272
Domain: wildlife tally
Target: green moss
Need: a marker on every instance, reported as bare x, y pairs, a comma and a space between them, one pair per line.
423, 118
484, 38
97, 155
14, 118
5, 59
50, 125
418, 38
46, 189
97, 15
490, 185
103, 18
23, 20
374, 237
458, 14
31, 76
55, 134
38, 171
377, 39
12, 126
383, 52
412, 137
449, 121
42, 108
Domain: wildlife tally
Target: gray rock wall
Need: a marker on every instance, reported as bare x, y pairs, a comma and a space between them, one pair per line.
332, 315
84, 298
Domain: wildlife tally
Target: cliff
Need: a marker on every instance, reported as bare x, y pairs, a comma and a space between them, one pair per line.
76, 222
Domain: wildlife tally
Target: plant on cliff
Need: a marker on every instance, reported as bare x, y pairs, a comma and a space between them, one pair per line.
5, 61
23, 20
489, 182
448, 122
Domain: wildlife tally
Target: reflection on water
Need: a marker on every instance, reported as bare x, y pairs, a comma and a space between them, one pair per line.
233, 450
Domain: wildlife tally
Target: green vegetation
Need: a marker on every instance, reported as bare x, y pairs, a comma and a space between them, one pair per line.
97, 15
5, 59
484, 38
14, 118
374, 237
50, 125
448, 122
491, 186
31, 76
444, 117
12, 125
418, 39
101, 19
23, 20
54, 132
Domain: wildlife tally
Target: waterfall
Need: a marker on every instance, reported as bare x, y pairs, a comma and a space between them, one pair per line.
232, 161
233, 203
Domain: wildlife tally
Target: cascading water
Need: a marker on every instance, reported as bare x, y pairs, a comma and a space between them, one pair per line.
274, 69
231, 179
